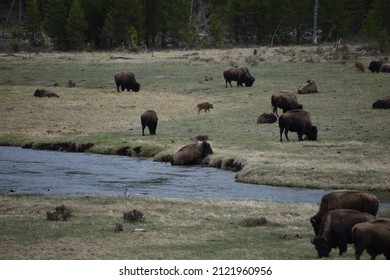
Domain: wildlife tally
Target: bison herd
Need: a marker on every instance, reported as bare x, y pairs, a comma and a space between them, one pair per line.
350, 217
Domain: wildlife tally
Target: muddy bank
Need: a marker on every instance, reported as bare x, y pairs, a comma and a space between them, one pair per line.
127, 150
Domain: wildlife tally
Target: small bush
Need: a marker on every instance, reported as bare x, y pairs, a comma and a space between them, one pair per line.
254, 222
133, 216
60, 213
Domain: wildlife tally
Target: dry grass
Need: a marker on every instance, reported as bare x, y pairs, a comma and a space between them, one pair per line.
351, 151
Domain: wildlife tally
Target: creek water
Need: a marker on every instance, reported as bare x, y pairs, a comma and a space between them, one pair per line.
26, 171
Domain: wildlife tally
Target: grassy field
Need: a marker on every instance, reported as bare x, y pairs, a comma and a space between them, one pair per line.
352, 148
174, 229
352, 151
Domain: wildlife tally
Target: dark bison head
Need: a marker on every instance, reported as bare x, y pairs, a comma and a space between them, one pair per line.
249, 80
136, 87
375, 66
311, 133
322, 246
206, 149
315, 222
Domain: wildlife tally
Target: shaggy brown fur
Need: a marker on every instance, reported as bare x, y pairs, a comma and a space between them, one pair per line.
206, 106
359, 66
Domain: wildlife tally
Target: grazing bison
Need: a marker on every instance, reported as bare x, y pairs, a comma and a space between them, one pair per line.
309, 87
374, 237
285, 100
206, 106
385, 68
149, 119
336, 230
126, 80
375, 66
192, 154
297, 121
266, 118
45, 93
239, 74
359, 66
382, 103
360, 201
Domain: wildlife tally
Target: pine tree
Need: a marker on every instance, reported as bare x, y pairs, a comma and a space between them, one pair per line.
76, 26
56, 13
33, 24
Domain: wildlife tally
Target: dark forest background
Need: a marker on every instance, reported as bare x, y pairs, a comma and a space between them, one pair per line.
159, 24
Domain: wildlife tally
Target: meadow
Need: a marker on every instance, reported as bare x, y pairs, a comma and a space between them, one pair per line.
352, 150
353, 139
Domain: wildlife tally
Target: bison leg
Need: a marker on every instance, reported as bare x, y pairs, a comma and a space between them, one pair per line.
143, 130
300, 135
275, 111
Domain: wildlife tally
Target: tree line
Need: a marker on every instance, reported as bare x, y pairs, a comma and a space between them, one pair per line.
135, 24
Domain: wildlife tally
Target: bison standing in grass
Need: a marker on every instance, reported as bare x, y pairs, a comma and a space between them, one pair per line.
285, 100
149, 119
374, 237
239, 74
126, 80
206, 106
361, 201
336, 230
297, 121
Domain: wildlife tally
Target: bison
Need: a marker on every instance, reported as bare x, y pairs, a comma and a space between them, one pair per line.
382, 103
297, 121
359, 66
286, 101
266, 118
149, 119
374, 237
192, 154
385, 68
45, 93
375, 66
239, 74
206, 106
126, 80
309, 87
361, 201
336, 230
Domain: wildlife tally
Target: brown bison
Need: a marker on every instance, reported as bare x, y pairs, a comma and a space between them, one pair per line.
149, 119
309, 87
336, 230
208, 78
192, 154
359, 66
285, 100
45, 93
385, 67
126, 80
266, 118
374, 237
382, 103
239, 74
206, 106
297, 121
360, 201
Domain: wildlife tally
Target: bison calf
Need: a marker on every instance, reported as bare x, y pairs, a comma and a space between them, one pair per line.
126, 80
359, 66
374, 237
382, 103
266, 118
206, 106
297, 121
